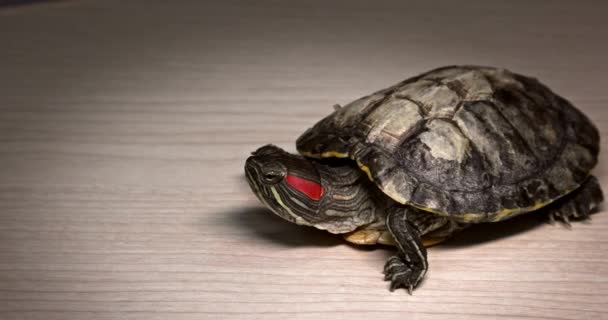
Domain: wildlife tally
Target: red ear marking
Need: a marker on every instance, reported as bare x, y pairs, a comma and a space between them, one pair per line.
311, 189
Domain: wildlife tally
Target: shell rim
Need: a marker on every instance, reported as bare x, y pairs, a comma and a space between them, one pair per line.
468, 216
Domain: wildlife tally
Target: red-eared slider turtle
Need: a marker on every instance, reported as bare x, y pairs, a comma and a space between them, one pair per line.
430, 155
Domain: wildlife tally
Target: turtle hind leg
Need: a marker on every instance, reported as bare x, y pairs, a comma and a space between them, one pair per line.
579, 204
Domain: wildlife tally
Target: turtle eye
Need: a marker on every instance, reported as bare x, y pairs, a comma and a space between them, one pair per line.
273, 172
273, 176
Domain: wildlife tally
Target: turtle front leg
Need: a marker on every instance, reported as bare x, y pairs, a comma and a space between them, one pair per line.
407, 268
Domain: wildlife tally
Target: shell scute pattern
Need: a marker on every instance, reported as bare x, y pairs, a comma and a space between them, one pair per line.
478, 143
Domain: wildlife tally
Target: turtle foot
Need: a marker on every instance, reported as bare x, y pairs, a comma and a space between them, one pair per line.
579, 205
402, 274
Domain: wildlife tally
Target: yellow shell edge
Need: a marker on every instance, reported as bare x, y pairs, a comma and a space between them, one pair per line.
465, 217
327, 154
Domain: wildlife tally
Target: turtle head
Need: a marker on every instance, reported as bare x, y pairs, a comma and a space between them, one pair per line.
287, 184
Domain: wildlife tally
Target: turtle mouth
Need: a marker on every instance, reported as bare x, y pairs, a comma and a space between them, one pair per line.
266, 195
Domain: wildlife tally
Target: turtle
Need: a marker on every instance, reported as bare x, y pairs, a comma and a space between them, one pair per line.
412, 164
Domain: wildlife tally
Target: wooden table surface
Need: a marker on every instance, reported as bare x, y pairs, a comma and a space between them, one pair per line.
124, 126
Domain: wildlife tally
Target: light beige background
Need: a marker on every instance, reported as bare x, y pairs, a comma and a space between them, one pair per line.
124, 126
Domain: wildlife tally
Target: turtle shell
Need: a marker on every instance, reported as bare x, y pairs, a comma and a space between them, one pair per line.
475, 143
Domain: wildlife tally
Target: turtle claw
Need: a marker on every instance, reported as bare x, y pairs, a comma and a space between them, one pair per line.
552, 220
566, 214
401, 274
579, 205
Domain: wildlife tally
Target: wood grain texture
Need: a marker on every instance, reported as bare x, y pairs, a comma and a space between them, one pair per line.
124, 127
